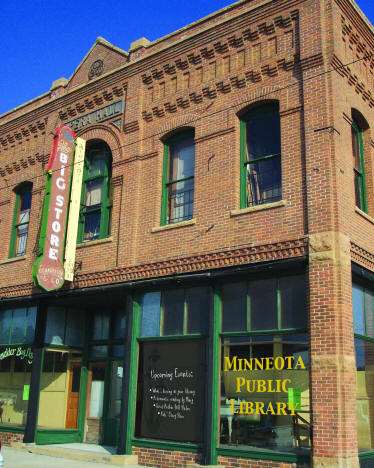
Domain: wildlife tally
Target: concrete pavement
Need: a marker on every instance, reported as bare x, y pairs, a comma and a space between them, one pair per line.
17, 458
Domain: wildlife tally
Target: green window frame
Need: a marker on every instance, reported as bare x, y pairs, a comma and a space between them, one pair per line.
96, 196
178, 178
21, 220
260, 156
17, 326
359, 166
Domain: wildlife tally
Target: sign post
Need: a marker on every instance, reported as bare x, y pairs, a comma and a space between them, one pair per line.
48, 270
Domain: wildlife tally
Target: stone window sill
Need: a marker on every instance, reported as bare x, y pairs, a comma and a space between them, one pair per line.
364, 215
95, 242
13, 260
189, 222
252, 209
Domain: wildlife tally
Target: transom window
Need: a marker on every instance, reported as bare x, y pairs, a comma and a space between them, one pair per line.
175, 312
261, 156
178, 187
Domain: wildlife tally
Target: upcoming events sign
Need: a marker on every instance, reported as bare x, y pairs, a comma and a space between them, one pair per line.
48, 270
172, 389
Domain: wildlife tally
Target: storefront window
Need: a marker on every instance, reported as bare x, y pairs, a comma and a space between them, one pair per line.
264, 393
60, 389
363, 317
17, 329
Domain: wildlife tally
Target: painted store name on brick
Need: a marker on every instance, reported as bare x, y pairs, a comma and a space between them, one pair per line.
112, 110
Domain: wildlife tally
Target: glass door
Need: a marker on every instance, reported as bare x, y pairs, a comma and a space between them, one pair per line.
113, 406
95, 399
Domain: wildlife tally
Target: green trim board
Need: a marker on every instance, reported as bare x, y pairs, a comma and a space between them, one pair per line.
57, 436
264, 455
167, 445
15, 430
366, 455
133, 376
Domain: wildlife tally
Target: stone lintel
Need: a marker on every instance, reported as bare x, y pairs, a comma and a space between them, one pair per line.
333, 362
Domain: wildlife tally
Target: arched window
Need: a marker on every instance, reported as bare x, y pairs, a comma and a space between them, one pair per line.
21, 220
260, 150
359, 166
96, 201
178, 178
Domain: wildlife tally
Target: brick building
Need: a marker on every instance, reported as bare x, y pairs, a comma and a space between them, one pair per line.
227, 213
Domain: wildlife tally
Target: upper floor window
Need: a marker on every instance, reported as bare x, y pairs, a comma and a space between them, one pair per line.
260, 148
96, 201
178, 178
359, 166
21, 221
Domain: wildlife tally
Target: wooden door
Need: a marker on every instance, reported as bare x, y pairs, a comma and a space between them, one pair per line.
73, 395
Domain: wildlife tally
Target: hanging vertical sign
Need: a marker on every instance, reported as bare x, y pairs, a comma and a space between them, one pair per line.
75, 202
48, 270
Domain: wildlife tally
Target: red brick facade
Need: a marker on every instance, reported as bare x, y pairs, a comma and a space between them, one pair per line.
204, 77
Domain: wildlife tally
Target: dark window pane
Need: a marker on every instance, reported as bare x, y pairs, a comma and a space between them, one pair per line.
98, 373
264, 183
48, 361
293, 302
369, 312
263, 304
26, 201
18, 326
150, 314
263, 135
96, 165
19, 365
31, 320
234, 307
355, 150
118, 350
5, 363
56, 319
198, 305
5, 323
119, 324
173, 305
98, 351
358, 309
92, 226
75, 327
76, 379
61, 361
296, 345
100, 325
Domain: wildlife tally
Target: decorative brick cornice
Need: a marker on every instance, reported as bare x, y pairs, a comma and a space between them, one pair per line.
4, 202
22, 163
362, 256
117, 180
219, 259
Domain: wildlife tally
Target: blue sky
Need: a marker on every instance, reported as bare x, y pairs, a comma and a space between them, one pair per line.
44, 40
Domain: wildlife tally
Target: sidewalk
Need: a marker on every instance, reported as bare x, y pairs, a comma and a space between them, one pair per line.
59, 456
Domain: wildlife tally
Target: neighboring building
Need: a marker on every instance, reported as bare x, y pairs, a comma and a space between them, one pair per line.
227, 213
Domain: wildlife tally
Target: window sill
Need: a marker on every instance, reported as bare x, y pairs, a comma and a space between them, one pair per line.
251, 209
95, 242
189, 222
364, 215
14, 259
